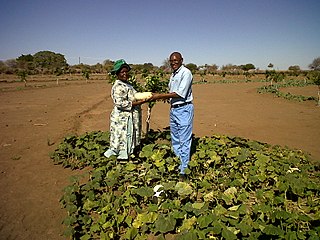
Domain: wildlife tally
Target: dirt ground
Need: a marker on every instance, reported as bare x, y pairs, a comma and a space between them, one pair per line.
35, 120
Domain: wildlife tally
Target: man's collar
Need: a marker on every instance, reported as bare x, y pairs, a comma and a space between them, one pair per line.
175, 72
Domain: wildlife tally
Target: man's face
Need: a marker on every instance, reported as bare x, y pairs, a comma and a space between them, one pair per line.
175, 62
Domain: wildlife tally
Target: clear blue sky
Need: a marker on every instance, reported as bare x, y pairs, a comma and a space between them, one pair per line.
282, 32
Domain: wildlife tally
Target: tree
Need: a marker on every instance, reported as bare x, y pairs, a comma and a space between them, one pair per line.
23, 76
274, 76
315, 65
154, 83
3, 67
166, 65
247, 67
294, 68
25, 62
192, 67
212, 68
11, 63
50, 61
86, 74
270, 65
229, 67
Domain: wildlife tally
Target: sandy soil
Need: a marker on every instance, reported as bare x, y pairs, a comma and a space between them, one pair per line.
35, 120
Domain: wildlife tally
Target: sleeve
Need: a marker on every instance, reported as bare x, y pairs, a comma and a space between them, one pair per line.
120, 96
184, 85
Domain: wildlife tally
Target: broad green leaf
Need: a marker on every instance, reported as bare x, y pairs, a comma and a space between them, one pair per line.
165, 224
95, 227
69, 220
217, 227
144, 191
209, 196
130, 166
147, 151
152, 207
234, 208
233, 152
228, 235
220, 210
144, 218
190, 235
198, 205
187, 224
131, 233
245, 229
183, 188
85, 237
178, 214
204, 221
229, 195
273, 230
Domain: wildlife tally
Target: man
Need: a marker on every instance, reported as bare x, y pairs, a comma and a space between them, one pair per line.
182, 109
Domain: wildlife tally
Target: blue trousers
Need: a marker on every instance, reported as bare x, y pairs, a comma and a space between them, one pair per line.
181, 125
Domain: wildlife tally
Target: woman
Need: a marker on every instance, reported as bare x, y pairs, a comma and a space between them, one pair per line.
125, 118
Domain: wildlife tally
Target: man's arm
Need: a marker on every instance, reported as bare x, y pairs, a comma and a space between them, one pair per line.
162, 96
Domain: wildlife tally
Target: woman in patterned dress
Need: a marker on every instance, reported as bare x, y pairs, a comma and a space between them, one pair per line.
125, 118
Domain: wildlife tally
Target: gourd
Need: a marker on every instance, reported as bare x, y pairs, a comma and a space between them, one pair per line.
142, 95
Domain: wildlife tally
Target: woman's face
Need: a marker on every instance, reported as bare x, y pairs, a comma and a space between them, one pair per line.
123, 74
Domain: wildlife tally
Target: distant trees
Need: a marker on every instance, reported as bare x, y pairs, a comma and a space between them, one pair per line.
294, 68
212, 68
247, 67
270, 65
229, 68
315, 65
192, 67
49, 61
41, 62
165, 64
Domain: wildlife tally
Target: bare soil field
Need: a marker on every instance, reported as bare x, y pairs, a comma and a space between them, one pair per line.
35, 119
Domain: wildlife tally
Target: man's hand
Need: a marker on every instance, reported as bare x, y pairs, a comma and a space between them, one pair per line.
156, 96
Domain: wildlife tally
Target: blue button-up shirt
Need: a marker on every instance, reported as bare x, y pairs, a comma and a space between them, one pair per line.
180, 83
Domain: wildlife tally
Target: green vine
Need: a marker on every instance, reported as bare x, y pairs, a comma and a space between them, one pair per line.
274, 89
236, 189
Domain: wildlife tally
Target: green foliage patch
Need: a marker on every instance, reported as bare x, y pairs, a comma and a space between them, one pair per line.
235, 189
274, 89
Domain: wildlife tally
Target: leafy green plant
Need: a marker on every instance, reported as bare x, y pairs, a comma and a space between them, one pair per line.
58, 72
155, 83
86, 74
275, 90
314, 76
23, 76
236, 189
79, 152
274, 77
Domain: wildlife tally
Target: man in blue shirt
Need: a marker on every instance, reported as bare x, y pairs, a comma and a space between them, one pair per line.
182, 109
